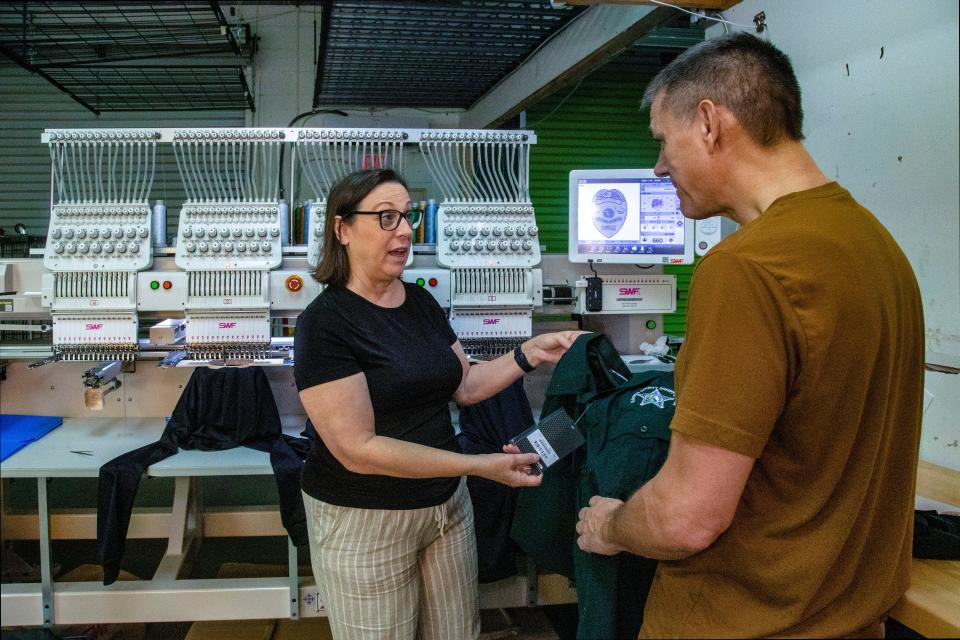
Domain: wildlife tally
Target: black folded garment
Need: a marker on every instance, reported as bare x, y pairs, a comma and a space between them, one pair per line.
218, 409
484, 428
936, 536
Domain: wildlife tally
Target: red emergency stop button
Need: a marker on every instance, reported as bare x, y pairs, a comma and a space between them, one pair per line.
433, 282
293, 283
167, 284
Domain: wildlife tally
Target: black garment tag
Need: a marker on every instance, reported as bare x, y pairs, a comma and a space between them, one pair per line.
553, 438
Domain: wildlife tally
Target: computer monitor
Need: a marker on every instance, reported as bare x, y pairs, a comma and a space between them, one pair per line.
627, 216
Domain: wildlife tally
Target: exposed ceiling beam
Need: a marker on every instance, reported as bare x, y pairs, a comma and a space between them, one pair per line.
588, 42
710, 5
184, 58
40, 72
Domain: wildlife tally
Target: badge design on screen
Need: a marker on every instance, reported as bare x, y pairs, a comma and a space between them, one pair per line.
610, 212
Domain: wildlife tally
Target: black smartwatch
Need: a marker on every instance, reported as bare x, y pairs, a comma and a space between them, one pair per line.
522, 361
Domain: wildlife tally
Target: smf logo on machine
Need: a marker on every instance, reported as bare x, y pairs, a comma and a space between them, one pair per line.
227, 325
491, 321
93, 326
659, 396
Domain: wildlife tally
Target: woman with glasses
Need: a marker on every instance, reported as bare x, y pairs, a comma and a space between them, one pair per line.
391, 524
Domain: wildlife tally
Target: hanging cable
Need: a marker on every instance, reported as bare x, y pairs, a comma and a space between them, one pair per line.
559, 104
702, 15
305, 114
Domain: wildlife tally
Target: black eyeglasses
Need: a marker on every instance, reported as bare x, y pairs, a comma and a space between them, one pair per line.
390, 218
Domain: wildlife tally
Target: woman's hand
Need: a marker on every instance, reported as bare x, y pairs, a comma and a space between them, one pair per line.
511, 468
549, 347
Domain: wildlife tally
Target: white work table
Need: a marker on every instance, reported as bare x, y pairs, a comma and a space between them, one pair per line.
54, 455
164, 597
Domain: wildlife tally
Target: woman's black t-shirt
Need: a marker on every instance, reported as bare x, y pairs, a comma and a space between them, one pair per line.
411, 373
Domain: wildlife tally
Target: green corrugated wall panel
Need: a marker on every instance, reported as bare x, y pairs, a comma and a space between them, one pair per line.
676, 323
595, 125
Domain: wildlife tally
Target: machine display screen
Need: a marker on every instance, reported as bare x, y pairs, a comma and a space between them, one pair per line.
627, 219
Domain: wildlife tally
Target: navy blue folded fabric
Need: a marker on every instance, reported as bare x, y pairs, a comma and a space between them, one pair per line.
484, 428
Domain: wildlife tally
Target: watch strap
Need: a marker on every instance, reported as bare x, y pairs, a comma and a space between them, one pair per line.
522, 361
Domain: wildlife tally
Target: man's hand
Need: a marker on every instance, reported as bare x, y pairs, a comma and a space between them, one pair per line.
594, 526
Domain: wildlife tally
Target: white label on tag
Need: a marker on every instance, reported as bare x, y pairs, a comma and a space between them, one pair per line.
547, 455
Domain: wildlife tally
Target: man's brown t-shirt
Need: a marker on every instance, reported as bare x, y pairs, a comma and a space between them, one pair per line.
804, 350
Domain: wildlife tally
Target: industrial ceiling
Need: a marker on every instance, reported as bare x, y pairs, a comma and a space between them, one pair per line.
141, 56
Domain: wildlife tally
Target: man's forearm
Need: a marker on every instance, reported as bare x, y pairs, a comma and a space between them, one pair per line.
679, 513
646, 527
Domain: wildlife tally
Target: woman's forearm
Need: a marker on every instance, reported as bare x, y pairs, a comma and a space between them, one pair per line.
485, 379
383, 455
387, 456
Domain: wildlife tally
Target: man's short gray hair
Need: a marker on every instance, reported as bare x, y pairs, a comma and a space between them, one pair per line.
748, 76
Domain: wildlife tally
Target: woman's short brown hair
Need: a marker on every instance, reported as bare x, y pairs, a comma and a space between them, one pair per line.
334, 266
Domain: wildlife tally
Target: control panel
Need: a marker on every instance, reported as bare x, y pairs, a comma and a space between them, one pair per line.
99, 237
292, 290
435, 281
707, 233
161, 291
710, 231
229, 236
487, 235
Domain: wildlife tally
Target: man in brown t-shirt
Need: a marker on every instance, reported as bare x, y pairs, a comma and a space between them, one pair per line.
785, 506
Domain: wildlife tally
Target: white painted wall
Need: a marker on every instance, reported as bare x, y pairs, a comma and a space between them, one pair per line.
283, 68
888, 131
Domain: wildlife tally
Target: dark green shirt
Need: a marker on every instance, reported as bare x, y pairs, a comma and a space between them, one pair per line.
625, 420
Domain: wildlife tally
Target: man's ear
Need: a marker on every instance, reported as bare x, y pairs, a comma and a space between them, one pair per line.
710, 123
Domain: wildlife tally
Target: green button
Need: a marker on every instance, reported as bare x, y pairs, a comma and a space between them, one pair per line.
421, 281
154, 285
651, 324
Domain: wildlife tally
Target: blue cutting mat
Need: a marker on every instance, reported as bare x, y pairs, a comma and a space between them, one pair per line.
17, 431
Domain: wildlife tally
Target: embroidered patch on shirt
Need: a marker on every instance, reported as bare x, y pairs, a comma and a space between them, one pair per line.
659, 396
